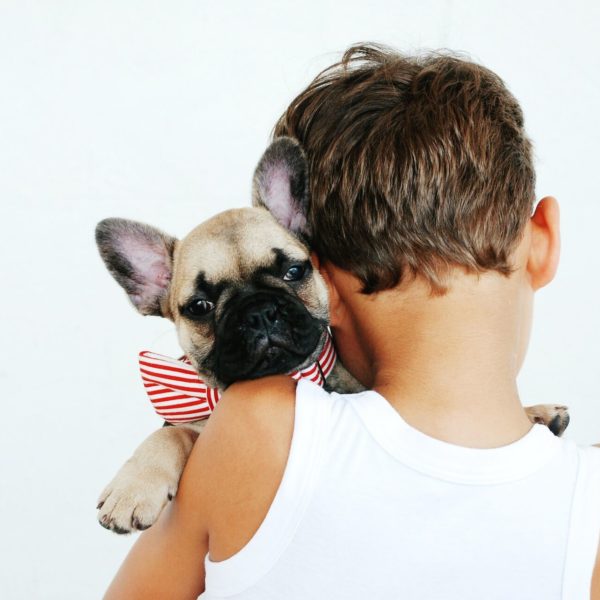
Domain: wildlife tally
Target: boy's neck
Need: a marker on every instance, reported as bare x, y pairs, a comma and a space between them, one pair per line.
449, 364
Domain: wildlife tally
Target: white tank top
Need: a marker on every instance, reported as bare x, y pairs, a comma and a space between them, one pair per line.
371, 508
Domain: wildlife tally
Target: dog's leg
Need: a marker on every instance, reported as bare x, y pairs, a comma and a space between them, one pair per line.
556, 418
135, 497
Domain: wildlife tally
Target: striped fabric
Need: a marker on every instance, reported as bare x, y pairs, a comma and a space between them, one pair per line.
178, 395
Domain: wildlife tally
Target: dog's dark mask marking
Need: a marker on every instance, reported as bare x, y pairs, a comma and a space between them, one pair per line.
211, 290
262, 332
281, 266
263, 327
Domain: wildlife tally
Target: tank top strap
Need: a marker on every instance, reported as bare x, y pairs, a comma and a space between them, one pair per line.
584, 532
312, 422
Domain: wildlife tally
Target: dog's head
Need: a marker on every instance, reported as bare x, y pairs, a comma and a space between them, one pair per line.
240, 287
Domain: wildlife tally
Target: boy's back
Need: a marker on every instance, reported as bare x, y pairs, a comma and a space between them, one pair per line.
422, 194
370, 507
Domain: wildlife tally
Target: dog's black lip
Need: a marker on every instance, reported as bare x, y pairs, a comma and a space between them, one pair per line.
261, 355
283, 344
263, 361
255, 371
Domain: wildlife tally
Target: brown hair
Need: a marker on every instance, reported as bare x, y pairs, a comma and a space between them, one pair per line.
417, 164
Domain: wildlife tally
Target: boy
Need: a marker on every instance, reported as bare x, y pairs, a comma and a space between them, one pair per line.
433, 484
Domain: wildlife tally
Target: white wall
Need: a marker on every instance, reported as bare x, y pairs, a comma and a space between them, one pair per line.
158, 111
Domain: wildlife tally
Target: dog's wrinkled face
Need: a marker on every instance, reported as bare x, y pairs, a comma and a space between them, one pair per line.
245, 297
240, 287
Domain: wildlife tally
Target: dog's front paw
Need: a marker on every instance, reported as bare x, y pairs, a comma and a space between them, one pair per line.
556, 418
134, 499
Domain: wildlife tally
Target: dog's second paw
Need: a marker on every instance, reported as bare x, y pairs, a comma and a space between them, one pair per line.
134, 499
556, 418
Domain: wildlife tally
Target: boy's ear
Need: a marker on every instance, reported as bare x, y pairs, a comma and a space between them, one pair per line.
140, 258
280, 184
544, 250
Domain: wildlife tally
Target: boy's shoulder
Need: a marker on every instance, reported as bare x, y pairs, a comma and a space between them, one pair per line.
257, 413
240, 457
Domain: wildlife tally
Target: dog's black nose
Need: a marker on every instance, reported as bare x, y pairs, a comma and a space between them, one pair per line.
261, 317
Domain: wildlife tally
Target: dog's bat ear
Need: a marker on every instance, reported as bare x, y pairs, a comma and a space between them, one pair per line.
280, 184
140, 258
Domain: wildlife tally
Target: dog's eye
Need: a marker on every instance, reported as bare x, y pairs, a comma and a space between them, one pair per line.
199, 308
294, 273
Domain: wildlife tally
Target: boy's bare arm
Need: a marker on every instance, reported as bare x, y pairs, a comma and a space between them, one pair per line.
596, 578
167, 561
226, 489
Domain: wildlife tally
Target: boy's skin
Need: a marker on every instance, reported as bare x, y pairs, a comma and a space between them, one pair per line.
447, 364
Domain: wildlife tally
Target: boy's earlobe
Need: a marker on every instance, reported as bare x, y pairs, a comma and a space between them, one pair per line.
544, 251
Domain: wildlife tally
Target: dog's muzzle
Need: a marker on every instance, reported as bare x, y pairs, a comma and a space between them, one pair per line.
263, 333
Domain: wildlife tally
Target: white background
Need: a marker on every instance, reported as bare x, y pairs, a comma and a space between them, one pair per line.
158, 111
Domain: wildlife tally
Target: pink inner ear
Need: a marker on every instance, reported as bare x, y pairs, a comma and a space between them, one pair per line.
298, 222
151, 263
278, 195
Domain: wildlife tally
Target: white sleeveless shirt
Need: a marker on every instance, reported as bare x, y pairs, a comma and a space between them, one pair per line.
370, 508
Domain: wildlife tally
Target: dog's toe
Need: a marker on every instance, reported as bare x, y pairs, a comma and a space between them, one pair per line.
147, 509
110, 515
139, 523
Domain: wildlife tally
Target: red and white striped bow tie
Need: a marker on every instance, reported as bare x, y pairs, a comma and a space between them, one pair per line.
178, 395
